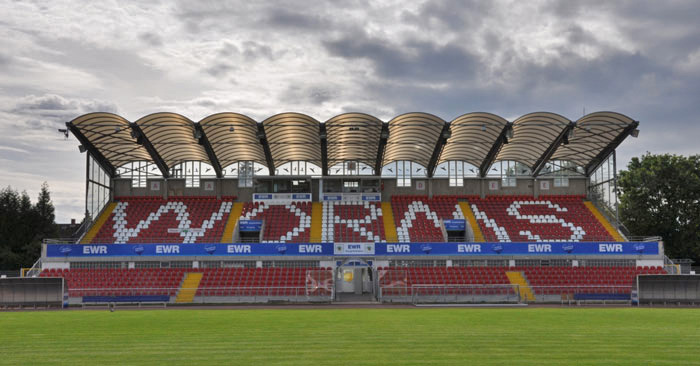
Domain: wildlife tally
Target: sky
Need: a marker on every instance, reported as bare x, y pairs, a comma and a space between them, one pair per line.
61, 59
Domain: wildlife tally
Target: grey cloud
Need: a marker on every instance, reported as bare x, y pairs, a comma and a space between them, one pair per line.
455, 15
254, 50
151, 39
309, 94
409, 60
50, 110
219, 69
5, 59
283, 17
225, 60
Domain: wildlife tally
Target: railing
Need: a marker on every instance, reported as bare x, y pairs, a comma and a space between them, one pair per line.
589, 238
34, 271
203, 295
644, 238
172, 240
582, 293
495, 293
60, 241
450, 293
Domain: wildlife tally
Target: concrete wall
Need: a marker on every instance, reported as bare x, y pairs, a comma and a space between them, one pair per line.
390, 188
441, 186
122, 187
576, 186
434, 186
229, 187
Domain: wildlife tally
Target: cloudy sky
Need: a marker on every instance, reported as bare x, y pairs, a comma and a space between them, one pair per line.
60, 59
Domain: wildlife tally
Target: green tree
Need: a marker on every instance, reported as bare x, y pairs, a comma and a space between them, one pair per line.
23, 226
660, 195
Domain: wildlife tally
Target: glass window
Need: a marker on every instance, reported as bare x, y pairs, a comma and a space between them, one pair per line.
245, 174
561, 181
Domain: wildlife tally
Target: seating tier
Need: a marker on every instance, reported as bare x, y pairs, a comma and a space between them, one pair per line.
554, 280
266, 281
119, 282
352, 222
543, 280
417, 218
289, 223
528, 219
155, 220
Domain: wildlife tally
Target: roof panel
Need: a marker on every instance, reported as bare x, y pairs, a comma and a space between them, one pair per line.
532, 134
413, 136
353, 136
473, 134
293, 136
111, 135
592, 134
173, 137
234, 137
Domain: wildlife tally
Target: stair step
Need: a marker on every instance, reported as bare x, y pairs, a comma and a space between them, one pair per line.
189, 287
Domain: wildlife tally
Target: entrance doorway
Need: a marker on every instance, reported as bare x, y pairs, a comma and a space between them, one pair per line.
354, 280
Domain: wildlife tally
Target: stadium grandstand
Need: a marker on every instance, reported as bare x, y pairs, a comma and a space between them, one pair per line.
229, 209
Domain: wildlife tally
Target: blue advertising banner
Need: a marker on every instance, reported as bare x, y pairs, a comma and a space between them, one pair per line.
515, 249
162, 250
249, 225
455, 225
371, 197
327, 249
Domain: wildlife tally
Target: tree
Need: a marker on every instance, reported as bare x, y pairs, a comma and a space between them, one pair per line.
660, 195
23, 226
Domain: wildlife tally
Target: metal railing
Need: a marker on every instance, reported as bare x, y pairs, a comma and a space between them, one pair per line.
582, 293
450, 293
644, 238
503, 293
34, 271
204, 295
60, 241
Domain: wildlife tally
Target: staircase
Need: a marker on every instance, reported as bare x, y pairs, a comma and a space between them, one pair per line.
232, 221
469, 215
517, 278
189, 287
389, 225
603, 221
316, 222
97, 225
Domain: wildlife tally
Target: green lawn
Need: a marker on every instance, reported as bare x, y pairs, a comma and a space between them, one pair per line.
537, 336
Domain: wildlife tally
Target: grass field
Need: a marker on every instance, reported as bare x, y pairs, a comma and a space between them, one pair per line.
536, 336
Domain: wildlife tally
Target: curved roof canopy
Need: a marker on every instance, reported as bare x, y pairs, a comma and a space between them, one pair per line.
353, 136
109, 136
533, 135
590, 142
473, 136
174, 138
233, 137
413, 136
222, 139
293, 136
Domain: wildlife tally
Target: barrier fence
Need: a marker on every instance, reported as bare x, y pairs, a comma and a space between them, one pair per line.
398, 291
204, 295
582, 293
465, 293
